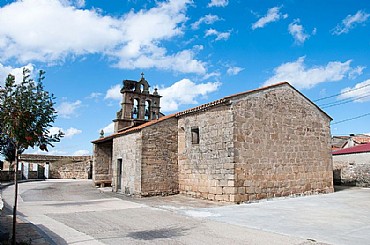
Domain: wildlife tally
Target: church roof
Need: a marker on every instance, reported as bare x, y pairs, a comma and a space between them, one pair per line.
204, 107
133, 129
230, 97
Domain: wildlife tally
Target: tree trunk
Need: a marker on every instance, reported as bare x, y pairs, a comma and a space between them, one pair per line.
15, 198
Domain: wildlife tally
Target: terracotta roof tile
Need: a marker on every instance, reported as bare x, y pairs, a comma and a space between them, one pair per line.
351, 150
361, 140
227, 99
133, 129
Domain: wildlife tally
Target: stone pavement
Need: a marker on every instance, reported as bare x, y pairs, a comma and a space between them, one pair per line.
73, 212
26, 231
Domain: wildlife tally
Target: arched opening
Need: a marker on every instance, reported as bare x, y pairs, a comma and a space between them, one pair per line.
147, 110
135, 110
142, 88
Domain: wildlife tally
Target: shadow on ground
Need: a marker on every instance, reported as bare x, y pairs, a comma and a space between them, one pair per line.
157, 233
27, 233
342, 187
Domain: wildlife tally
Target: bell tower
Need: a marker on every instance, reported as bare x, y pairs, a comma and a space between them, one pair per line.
138, 105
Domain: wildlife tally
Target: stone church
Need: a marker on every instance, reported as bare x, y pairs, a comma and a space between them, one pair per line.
264, 143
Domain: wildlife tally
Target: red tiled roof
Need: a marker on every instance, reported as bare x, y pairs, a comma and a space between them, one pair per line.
351, 150
132, 129
361, 139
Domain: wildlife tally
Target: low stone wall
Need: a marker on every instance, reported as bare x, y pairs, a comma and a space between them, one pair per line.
6, 175
60, 167
352, 169
66, 169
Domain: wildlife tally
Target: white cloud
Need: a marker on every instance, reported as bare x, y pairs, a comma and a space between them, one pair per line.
299, 76
219, 35
234, 70
94, 95
273, 15
182, 61
49, 152
355, 72
81, 153
69, 133
67, 109
114, 93
184, 92
207, 19
297, 31
60, 30
57, 31
109, 129
76, 3
350, 22
218, 3
314, 31
359, 93
212, 74
17, 72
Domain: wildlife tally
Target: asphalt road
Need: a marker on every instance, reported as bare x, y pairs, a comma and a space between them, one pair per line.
74, 212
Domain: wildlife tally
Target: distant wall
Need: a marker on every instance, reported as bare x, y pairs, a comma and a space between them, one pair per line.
60, 167
352, 169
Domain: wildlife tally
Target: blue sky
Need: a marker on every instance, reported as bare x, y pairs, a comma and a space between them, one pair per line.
194, 52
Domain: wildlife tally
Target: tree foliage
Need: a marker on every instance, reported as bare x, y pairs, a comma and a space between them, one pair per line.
26, 113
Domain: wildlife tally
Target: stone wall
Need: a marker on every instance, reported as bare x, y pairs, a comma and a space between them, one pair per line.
102, 162
6, 175
67, 169
159, 167
206, 170
60, 167
127, 148
352, 169
282, 145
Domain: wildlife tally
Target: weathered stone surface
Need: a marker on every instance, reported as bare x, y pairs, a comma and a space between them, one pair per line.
282, 145
102, 162
159, 167
149, 160
206, 169
127, 149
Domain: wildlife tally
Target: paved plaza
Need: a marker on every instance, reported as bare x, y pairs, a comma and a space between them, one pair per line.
74, 212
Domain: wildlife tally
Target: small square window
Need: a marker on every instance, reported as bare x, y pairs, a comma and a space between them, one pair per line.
195, 135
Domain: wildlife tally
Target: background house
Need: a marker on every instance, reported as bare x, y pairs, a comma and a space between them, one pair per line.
342, 142
351, 165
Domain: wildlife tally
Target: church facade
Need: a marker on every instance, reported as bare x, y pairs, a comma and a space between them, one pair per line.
264, 143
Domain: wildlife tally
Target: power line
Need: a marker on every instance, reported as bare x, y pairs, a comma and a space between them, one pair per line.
350, 119
343, 101
347, 91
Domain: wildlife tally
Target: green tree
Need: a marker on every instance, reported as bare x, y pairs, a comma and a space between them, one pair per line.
26, 113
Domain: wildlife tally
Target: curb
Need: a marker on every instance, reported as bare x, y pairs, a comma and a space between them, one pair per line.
5, 185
